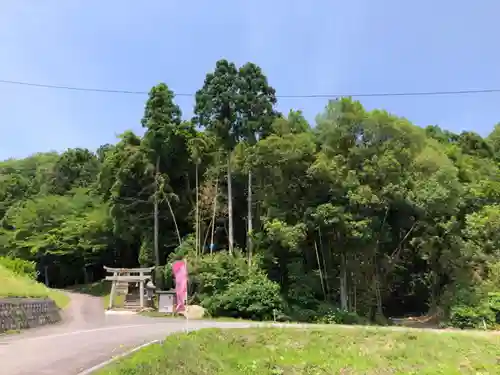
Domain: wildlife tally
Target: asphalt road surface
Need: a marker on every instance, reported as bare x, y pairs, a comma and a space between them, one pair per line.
86, 338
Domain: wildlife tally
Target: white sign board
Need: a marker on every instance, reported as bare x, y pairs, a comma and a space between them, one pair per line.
166, 303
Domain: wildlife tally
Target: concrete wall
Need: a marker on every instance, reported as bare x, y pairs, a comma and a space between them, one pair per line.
21, 313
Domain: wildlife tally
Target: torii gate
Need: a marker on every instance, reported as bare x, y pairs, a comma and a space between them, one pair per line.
128, 275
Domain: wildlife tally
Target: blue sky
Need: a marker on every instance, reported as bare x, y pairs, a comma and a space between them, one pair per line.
304, 47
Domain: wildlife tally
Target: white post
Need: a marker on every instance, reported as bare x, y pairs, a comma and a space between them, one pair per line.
186, 307
113, 289
141, 290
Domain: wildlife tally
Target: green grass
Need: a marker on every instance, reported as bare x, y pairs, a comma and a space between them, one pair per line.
99, 289
290, 351
11, 332
157, 314
12, 285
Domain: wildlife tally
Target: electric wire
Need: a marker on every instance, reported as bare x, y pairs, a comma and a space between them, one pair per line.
303, 96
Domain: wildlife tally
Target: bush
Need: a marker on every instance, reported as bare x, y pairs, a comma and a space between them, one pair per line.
487, 312
339, 316
494, 305
311, 313
471, 317
225, 285
20, 266
209, 274
256, 298
216, 273
301, 314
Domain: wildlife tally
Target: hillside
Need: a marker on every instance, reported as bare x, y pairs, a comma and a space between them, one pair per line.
12, 285
361, 216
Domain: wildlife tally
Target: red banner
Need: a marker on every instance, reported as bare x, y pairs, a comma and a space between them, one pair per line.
179, 269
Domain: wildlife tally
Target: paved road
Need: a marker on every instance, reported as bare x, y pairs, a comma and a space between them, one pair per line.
86, 338
69, 353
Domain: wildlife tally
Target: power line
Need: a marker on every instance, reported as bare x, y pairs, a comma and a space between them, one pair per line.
358, 95
109, 91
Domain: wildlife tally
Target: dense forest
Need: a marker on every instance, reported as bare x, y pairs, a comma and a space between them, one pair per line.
361, 214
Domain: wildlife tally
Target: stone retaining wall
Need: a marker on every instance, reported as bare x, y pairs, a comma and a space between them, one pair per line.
21, 313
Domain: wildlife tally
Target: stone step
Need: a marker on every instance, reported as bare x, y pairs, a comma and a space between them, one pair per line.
132, 308
131, 299
122, 288
117, 311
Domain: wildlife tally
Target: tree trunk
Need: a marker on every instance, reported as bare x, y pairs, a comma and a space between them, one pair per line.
327, 284
197, 220
85, 275
379, 315
230, 204
354, 296
343, 283
214, 213
175, 221
156, 220
46, 275
380, 311
319, 268
250, 222
207, 232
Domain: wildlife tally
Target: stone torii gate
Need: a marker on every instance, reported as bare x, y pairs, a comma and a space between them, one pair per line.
125, 276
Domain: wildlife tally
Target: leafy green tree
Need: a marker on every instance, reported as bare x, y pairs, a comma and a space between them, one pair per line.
256, 113
216, 109
198, 146
126, 182
161, 117
69, 232
75, 168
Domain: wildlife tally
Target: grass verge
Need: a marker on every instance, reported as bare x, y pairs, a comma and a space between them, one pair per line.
99, 289
12, 285
274, 351
157, 314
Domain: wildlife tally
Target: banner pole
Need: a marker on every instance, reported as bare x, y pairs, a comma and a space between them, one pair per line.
186, 307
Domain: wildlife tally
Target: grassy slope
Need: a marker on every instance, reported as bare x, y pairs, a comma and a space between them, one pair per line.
12, 285
328, 351
99, 289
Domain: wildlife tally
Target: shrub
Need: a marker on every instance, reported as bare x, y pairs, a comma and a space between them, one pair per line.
339, 316
486, 312
209, 274
20, 266
256, 298
216, 273
494, 305
310, 313
301, 314
471, 317
225, 285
